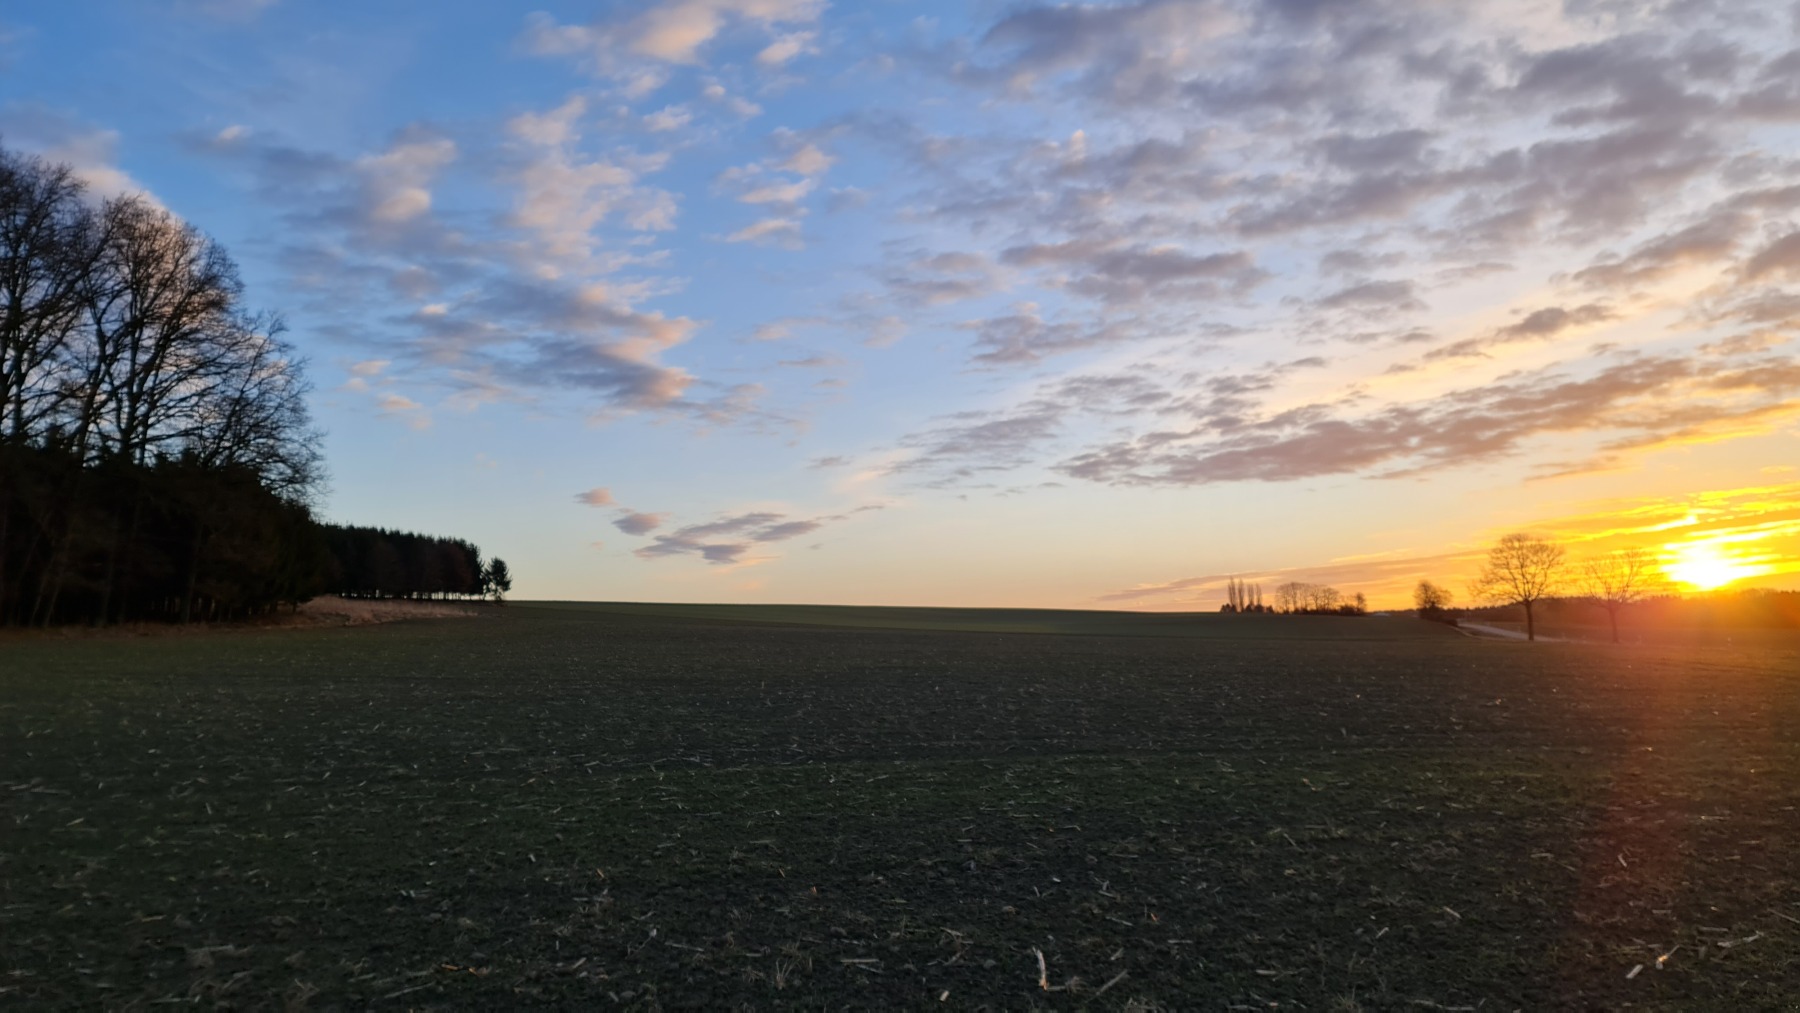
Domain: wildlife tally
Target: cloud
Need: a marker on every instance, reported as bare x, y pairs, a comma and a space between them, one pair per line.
396, 182
717, 93
634, 523
596, 497
527, 309
1538, 325
1118, 273
1376, 296
773, 191
783, 232
668, 118
399, 406
1707, 242
1392, 575
808, 160
1780, 258
565, 195
671, 31
1025, 336
729, 540
90, 151
969, 445
786, 48
952, 276
1629, 397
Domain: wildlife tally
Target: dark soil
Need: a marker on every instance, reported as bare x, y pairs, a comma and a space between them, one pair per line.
583, 808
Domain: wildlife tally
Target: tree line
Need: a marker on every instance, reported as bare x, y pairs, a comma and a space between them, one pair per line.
1292, 598
1527, 571
157, 459
373, 563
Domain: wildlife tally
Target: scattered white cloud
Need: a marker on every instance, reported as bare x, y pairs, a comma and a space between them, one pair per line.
670, 31
668, 119
715, 92
397, 182
786, 48
405, 409
92, 152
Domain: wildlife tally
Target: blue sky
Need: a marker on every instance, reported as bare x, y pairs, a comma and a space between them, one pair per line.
1034, 304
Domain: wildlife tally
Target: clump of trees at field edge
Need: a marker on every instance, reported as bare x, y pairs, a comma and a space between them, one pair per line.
373, 563
157, 458
1292, 598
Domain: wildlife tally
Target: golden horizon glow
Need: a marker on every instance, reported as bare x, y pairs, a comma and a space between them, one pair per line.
1708, 565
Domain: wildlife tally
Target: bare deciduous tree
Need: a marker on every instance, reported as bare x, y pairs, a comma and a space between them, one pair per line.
132, 381
1522, 569
254, 415
1289, 596
160, 332
47, 250
1617, 580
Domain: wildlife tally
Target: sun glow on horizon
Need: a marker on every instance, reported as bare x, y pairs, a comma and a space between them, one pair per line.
1708, 565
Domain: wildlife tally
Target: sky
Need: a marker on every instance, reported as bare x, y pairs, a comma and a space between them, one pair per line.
1084, 305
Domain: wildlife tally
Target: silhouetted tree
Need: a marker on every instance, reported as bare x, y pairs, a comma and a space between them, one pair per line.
155, 448
49, 242
1288, 596
156, 455
1431, 600
1521, 569
498, 579
1237, 596
1618, 580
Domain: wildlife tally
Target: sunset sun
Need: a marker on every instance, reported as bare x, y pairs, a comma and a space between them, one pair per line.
1704, 566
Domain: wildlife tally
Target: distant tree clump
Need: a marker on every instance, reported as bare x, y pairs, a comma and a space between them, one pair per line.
1431, 600
1242, 597
1522, 569
1300, 598
376, 563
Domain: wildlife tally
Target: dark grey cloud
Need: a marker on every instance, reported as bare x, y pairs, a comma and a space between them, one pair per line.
731, 539
971, 443
938, 278
1025, 336
1538, 325
1776, 94
1630, 396
1708, 241
1376, 153
1404, 149
1780, 259
1375, 296
635, 523
967, 445
1117, 273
